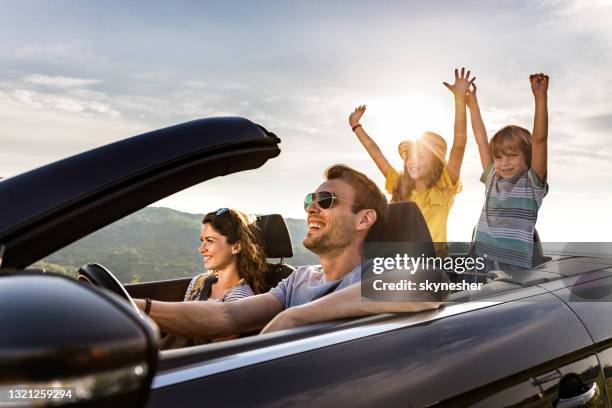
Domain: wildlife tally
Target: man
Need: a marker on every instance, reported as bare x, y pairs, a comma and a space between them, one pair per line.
340, 214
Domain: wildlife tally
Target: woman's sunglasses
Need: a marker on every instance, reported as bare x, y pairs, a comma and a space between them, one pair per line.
222, 211
324, 199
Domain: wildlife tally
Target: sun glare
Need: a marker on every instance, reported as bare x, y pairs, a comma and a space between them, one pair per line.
392, 120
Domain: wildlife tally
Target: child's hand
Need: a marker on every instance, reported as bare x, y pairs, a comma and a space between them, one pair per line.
539, 85
472, 101
461, 85
356, 115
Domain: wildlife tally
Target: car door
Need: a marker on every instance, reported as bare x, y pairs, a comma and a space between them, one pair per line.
589, 296
459, 355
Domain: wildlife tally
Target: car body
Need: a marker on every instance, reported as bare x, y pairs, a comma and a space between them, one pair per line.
517, 346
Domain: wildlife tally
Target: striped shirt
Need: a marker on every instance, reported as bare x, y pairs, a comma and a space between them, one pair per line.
237, 292
195, 290
507, 221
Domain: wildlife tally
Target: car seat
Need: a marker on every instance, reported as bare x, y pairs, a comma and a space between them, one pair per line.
276, 241
538, 257
405, 225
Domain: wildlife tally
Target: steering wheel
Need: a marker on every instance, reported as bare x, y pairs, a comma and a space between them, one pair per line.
97, 275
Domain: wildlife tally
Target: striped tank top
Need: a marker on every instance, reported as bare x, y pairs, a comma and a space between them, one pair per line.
507, 222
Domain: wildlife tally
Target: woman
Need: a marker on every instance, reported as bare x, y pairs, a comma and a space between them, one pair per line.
233, 257
234, 260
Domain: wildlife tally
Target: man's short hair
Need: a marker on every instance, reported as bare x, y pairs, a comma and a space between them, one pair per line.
367, 194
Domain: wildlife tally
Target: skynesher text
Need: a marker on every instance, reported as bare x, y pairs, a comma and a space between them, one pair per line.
406, 285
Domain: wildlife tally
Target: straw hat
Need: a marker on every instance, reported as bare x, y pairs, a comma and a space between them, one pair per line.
431, 141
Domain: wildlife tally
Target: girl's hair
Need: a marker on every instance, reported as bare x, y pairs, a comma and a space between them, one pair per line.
235, 227
512, 137
405, 184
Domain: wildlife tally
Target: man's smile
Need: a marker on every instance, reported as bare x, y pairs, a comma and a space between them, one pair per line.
314, 226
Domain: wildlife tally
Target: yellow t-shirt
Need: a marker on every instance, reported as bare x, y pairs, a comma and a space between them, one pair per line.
434, 202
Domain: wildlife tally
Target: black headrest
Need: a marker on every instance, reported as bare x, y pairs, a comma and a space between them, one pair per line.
405, 223
275, 236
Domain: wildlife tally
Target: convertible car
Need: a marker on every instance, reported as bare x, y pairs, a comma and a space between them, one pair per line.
541, 338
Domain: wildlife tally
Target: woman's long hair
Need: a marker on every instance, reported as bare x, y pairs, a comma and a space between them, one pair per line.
405, 184
235, 227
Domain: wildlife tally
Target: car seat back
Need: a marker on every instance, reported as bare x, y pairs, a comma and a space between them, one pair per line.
276, 242
405, 225
538, 254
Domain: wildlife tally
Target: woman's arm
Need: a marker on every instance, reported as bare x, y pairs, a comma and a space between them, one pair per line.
367, 142
459, 90
539, 137
478, 127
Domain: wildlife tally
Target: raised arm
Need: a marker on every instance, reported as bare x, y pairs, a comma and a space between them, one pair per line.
367, 142
214, 319
478, 127
459, 90
539, 136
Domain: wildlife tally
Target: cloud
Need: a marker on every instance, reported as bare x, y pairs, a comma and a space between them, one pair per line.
602, 122
57, 53
152, 76
195, 84
36, 132
62, 103
56, 93
593, 14
60, 81
565, 153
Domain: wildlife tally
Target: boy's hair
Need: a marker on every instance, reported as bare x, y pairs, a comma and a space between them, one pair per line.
512, 136
367, 194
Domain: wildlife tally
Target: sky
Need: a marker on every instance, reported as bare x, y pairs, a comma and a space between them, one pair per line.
76, 75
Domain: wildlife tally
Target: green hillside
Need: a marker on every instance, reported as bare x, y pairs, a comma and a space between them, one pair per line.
153, 244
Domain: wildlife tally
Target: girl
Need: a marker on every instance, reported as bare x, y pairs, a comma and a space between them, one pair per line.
514, 164
426, 178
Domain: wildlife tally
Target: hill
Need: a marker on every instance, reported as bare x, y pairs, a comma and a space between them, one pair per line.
153, 244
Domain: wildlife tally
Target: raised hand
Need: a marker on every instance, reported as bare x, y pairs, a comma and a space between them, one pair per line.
356, 115
539, 135
539, 85
472, 100
462, 83
370, 145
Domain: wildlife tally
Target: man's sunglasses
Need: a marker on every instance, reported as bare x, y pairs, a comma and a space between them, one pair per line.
324, 199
